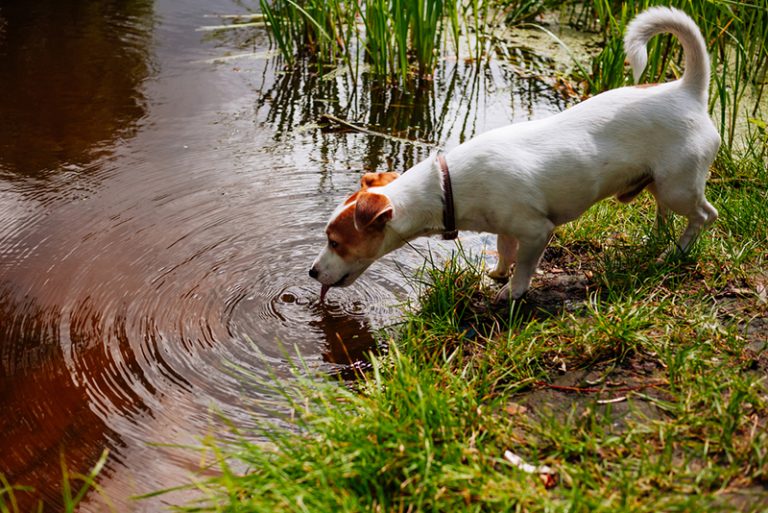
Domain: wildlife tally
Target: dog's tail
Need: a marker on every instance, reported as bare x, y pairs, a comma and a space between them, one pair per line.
664, 19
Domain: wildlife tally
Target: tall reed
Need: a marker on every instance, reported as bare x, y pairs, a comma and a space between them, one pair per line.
322, 29
402, 38
399, 39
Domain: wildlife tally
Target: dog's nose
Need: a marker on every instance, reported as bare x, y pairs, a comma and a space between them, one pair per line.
313, 273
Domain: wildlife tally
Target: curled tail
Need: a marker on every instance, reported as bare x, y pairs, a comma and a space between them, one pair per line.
664, 19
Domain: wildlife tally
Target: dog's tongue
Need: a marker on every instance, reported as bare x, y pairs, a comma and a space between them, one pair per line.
323, 292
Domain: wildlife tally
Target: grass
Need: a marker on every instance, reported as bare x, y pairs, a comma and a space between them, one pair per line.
74, 487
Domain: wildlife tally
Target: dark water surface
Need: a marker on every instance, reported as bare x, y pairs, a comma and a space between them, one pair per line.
159, 210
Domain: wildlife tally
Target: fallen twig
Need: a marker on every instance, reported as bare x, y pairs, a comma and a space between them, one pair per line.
330, 118
238, 56
593, 390
208, 28
619, 399
252, 16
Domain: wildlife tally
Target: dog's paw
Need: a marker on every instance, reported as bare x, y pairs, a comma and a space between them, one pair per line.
506, 293
667, 254
499, 274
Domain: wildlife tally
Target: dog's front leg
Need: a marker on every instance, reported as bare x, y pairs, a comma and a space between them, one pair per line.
507, 249
529, 254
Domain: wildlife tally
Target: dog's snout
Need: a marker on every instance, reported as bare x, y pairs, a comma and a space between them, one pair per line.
313, 272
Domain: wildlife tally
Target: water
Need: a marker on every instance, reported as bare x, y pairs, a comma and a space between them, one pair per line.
159, 209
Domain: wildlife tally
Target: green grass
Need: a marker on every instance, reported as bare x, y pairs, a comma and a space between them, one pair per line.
74, 487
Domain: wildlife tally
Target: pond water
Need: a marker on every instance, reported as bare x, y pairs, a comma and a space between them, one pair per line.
161, 198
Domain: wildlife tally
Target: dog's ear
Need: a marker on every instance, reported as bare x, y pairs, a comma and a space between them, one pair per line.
353, 197
376, 179
372, 211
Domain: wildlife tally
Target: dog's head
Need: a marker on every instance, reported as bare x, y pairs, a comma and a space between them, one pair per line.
356, 234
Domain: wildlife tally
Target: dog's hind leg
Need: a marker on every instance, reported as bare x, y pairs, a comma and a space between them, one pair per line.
529, 252
690, 203
507, 249
704, 214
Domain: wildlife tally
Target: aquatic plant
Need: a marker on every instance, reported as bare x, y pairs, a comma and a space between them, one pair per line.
400, 39
324, 30
402, 33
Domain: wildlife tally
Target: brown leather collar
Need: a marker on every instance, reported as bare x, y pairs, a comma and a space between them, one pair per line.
449, 220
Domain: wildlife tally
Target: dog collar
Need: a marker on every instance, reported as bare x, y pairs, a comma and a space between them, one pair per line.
449, 219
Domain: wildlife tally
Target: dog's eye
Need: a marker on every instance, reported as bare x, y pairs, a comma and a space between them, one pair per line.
333, 244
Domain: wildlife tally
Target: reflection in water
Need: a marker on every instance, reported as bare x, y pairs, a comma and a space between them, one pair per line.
157, 217
71, 75
348, 335
349, 340
47, 411
462, 101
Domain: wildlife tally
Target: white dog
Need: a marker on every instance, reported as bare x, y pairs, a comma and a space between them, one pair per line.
523, 180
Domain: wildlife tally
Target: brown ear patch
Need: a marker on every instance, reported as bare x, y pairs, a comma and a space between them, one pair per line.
376, 179
372, 211
352, 243
372, 180
352, 198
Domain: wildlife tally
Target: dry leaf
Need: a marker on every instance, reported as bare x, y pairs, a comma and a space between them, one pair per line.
516, 409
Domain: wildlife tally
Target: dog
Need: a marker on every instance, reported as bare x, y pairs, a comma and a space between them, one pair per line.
523, 180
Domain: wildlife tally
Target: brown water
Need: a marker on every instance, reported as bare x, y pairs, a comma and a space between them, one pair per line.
158, 214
